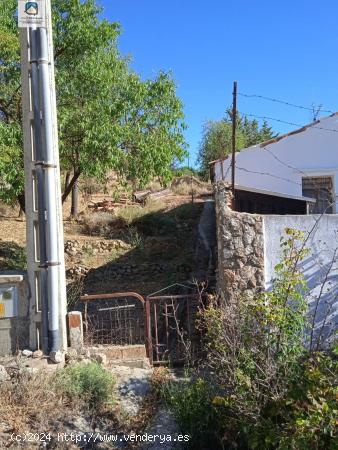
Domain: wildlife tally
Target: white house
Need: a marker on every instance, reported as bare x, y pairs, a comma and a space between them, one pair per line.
281, 181
296, 173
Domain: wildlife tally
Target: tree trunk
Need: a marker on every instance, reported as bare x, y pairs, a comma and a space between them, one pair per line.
22, 203
74, 207
69, 188
67, 180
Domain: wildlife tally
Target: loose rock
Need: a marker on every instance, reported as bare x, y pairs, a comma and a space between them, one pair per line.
4, 376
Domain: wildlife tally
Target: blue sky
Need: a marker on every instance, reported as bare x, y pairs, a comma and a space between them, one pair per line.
286, 50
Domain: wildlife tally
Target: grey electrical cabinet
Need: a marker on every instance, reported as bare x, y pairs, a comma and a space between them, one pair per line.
14, 312
8, 301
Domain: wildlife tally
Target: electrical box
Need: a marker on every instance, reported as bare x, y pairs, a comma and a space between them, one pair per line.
8, 301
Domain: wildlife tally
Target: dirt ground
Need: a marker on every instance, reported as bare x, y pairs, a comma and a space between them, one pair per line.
160, 251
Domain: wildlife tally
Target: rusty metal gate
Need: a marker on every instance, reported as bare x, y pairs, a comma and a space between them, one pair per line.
165, 324
114, 319
173, 333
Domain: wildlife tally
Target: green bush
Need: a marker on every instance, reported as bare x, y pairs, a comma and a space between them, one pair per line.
306, 417
268, 390
89, 383
193, 409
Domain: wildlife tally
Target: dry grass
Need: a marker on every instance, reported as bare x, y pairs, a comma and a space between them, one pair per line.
185, 189
154, 186
97, 223
31, 402
131, 213
27, 400
159, 378
190, 185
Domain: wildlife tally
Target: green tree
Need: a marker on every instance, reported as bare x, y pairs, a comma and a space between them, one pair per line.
108, 117
11, 161
217, 138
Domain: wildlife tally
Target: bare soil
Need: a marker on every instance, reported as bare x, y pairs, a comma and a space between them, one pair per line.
163, 251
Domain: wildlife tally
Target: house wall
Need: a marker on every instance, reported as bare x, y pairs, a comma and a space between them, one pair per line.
249, 249
280, 166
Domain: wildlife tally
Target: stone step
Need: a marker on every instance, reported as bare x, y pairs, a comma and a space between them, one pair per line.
131, 363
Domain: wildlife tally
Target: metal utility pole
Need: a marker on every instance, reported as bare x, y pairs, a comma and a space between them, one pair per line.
234, 123
44, 228
40, 180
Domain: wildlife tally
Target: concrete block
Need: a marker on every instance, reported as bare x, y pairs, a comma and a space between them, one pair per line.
75, 330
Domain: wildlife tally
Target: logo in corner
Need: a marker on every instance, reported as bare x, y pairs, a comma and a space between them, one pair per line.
32, 8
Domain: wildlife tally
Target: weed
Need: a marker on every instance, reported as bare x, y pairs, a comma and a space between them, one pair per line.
133, 237
159, 379
90, 383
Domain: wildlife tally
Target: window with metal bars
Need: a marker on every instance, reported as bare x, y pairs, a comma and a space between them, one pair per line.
320, 188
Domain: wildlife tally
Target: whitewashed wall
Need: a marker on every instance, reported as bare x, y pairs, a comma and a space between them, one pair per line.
323, 244
279, 167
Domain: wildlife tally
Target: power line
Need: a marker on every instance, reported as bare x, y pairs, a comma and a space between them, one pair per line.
315, 185
276, 100
268, 175
287, 123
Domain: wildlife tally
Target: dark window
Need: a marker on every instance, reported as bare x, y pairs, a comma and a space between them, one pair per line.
320, 188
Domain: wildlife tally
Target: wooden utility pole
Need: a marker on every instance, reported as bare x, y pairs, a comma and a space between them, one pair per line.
234, 117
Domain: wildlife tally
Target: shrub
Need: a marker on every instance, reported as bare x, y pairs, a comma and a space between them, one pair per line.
193, 409
306, 417
90, 384
92, 186
254, 346
159, 379
12, 256
97, 223
269, 391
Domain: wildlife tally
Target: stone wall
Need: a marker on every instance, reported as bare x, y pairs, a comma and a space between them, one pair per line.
240, 248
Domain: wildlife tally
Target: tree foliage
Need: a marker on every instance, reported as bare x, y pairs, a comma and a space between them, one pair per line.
108, 117
217, 138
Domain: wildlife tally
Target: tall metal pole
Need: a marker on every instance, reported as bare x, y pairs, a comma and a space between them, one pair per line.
49, 166
40, 180
42, 175
58, 194
234, 120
